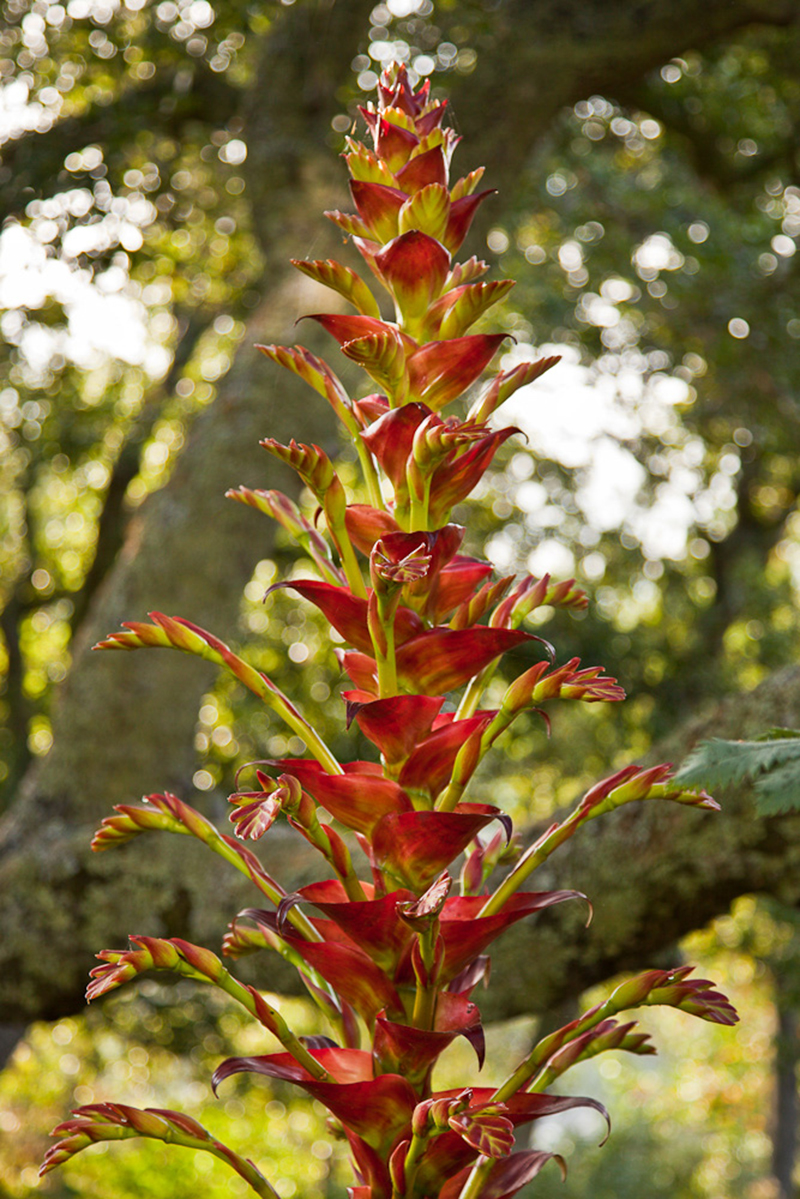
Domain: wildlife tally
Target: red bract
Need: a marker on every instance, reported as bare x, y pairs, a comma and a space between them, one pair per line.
358, 798
460, 218
394, 145
385, 948
426, 169
349, 970
396, 725
450, 1152
505, 1178
466, 933
391, 439
446, 458
428, 768
375, 1109
441, 370
401, 1048
347, 329
414, 847
375, 924
414, 268
437, 660
442, 659
366, 525
454, 480
456, 583
347, 613
378, 207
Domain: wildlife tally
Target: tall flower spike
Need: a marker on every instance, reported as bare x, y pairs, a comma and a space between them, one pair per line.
388, 953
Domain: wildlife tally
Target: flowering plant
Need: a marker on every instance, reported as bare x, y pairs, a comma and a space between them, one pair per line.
392, 959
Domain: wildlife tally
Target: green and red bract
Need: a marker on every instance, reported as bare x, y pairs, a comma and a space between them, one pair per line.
505, 1178
453, 1151
415, 847
388, 954
358, 798
376, 1108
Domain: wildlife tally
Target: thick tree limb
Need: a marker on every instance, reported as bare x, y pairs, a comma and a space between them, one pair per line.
33, 164
533, 59
653, 872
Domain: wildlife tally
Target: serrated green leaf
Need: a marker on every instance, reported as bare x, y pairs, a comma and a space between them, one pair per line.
776, 758
779, 790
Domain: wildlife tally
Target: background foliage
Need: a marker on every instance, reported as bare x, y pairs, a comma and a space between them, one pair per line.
653, 236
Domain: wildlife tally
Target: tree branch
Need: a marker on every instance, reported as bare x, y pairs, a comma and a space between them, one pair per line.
114, 520
533, 59
33, 164
682, 868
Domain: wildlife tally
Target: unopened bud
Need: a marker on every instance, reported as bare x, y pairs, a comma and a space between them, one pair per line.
634, 991
421, 1116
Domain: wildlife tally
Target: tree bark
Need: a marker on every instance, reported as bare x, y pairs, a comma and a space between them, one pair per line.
123, 729
126, 727
653, 872
787, 1057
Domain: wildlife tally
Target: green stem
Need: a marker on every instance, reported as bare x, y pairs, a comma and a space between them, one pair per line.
336, 854
419, 490
352, 571
530, 860
299, 725
467, 761
424, 1007
330, 572
478, 1176
380, 621
387, 666
353, 888
274, 1022
543, 1080
478, 684
451, 797
318, 988
424, 1013
475, 689
530, 1068
411, 1164
246, 1170
370, 474
334, 504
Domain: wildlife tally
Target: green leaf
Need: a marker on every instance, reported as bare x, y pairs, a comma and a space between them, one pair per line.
772, 763
779, 790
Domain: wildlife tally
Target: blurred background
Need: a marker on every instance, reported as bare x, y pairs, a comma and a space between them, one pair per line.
160, 163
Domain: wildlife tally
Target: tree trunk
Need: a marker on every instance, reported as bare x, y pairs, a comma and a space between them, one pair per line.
124, 728
787, 1057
